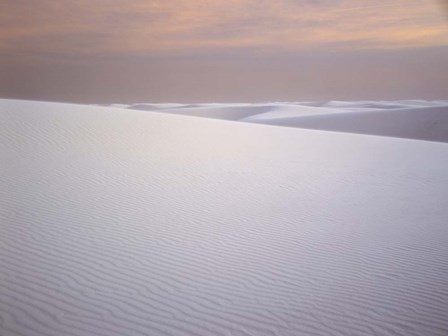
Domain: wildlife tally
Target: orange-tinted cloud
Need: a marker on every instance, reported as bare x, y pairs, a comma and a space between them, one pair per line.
138, 27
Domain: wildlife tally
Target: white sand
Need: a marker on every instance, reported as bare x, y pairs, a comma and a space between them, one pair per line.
413, 119
214, 111
428, 123
117, 222
242, 112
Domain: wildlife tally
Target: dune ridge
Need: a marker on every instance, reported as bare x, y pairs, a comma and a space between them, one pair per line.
126, 222
412, 119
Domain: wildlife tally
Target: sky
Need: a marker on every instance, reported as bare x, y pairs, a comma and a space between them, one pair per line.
129, 51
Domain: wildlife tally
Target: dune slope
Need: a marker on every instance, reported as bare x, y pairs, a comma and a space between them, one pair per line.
235, 111
428, 123
412, 119
117, 222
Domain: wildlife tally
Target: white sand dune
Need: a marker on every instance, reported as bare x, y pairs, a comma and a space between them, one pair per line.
413, 119
291, 111
119, 222
157, 107
377, 105
214, 111
428, 123
243, 112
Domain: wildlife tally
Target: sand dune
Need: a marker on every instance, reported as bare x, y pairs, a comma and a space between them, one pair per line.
429, 123
377, 105
413, 119
120, 222
225, 112
234, 112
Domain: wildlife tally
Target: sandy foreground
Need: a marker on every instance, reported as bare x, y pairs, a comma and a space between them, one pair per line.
119, 222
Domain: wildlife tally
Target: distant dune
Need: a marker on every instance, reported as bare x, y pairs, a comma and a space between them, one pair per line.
429, 123
117, 222
413, 119
233, 111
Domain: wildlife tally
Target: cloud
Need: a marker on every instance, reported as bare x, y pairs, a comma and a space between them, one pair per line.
172, 27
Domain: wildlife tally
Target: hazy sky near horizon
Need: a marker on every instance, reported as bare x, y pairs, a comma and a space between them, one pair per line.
106, 51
